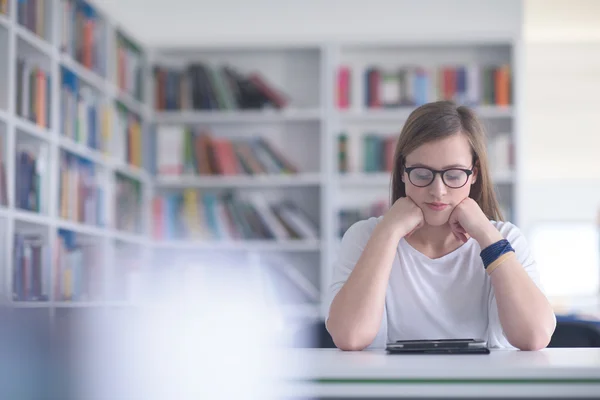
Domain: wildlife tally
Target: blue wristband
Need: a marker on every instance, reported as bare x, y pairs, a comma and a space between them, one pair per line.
495, 250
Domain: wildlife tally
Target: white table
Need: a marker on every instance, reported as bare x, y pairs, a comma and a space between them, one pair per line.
329, 373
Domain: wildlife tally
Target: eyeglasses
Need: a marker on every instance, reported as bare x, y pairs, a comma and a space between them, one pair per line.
454, 178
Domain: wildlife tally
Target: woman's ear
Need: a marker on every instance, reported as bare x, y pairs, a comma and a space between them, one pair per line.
475, 173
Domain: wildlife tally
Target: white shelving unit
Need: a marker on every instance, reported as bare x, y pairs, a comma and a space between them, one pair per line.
17, 41
356, 189
298, 72
306, 131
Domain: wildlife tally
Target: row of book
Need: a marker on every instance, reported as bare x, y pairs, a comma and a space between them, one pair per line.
128, 136
205, 87
32, 15
185, 151
112, 129
128, 204
501, 152
31, 268
377, 153
31, 177
81, 112
226, 216
33, 93
413, 86
349, 216
72, 270
78, 268
83, 35
3, 181
129, 66
81, 197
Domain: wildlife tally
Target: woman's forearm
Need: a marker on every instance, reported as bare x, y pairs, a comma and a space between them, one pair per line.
525, 314
357, 309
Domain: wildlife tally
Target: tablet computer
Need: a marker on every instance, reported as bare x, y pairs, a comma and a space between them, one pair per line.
439, 346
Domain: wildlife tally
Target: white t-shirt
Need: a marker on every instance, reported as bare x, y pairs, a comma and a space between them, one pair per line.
444, 298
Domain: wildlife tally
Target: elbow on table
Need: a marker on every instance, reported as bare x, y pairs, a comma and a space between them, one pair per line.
351, 343
351, 340
535, 341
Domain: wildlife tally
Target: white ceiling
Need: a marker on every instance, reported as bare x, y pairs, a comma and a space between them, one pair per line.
189, 23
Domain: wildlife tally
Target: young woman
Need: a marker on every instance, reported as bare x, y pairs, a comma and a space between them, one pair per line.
440, 263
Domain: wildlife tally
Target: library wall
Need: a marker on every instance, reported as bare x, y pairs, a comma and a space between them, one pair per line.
313, 20
561, 167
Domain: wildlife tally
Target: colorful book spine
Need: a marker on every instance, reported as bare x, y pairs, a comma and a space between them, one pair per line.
31, 268
129, 66
408, 86
33, 93
127, 140
206, 87
183, 151
81, 198
83, 35
29, 177
127, 204
343, 91
80, 112
349, 216
32, 14
197, 215
376, 153
3, 180
78, 266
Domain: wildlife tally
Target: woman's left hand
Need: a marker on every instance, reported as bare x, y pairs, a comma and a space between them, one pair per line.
468, 220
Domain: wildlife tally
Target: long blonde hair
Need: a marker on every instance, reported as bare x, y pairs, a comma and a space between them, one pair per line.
439, 120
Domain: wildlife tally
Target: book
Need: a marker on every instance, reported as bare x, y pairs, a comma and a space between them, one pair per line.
31, 268
208, 215
376, 153
127, 204
81, 197
182, 151
348, 216
414, 85
78, 268
129, 63
32, 15
200, 86
33, 93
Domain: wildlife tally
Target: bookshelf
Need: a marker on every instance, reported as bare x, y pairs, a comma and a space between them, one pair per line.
239, 124
72, 132
139, 125
369, 120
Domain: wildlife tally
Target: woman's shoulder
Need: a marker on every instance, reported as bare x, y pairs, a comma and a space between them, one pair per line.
361, 231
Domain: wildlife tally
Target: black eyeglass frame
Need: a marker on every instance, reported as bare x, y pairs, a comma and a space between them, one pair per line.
469, 172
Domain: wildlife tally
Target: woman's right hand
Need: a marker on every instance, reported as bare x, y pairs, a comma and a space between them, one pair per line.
404, 217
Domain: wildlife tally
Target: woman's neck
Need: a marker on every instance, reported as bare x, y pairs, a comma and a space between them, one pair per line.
434, 241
